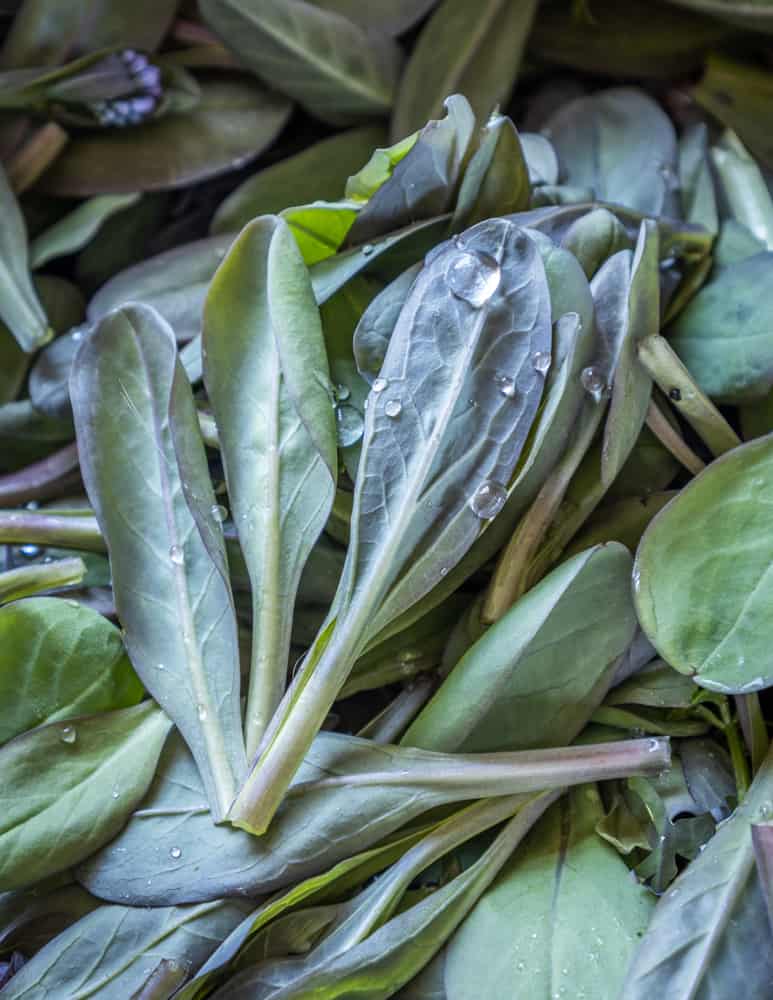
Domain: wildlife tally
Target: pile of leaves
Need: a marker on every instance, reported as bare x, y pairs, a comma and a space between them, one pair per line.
386, 472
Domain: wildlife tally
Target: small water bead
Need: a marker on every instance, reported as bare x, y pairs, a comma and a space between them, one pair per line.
201, 712
473, 277
393, 408
593, 382
68, 734
175, 852
541, 362
349, 425
380, 384
653, 746
116, 792
342, 392
489, 498
506, 385
367, 249
177, 555
670, 177
30, 551
218, 512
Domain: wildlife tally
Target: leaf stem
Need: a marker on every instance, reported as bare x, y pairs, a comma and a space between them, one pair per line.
390, 724
35, 156
66, 531
41, 480
735, 745
662, 363
26, 580
672, 440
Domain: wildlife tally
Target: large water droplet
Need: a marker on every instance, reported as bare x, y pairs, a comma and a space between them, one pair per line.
541, 362
218, 512
473, 277
593, 382
349, 425
30, 551
393, 408
506, 385
489, 498
177, 555
68, 734
380, 384
175, 852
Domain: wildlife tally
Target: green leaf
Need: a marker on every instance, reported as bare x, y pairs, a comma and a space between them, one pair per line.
699, 199
330, 65
415, 497
113, 951
145, 470
377, 323
568, 887
749, 201
77, 228
724, 335
393, 17
68, 788
709, 934
319, 172
44, 32
620, 144
571, 627
754, 15
469, 49
24, 581
378, 169
321, 227
423, 183
235, 120
268, 382
20, 308
704, 606
622, 521
30, 918
59, 659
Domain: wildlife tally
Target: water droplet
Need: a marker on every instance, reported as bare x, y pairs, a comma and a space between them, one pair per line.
541, 362
393, 408
765, 810
653, 746
489, 498
675, 394
116, 792
593, 382
218, 512
68, 734
473, 277
30, 551
160, 666
520, 966
76, 335
175, 852
176, 555
443, 570
380, 384
349, 425
506, 385
367, 249
201, 712
343, 392
670, 177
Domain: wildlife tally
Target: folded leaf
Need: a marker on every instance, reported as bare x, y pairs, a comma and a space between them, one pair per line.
146, 473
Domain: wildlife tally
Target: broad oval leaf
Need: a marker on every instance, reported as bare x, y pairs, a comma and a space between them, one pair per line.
568, 887
725, 334
145, 470
114, 951
77, 228
268, 381
20, 308
469, 49
317, 173
702, 574
622, 145
709, 935
570, 629
330, 65
68, 788
235, 120
59, 659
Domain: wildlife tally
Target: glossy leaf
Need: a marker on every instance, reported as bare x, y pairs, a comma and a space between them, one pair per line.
20, 308
620, 144
317, 173
709, 934
724, 335
703, 606
571, 627
267, 379
235, 120
330, 65
74, 231
166, 547
414, 478
113, 951
571, 889
58, 660
463, 49
68, 788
